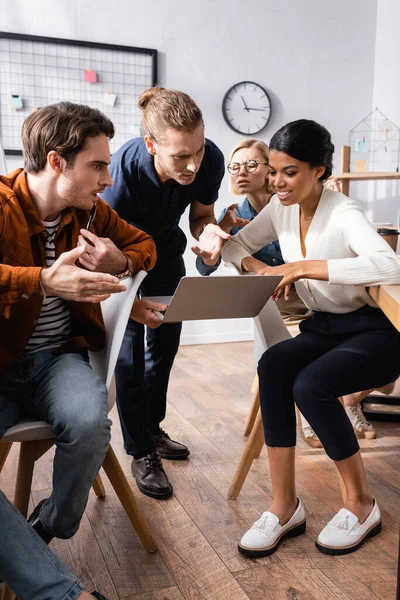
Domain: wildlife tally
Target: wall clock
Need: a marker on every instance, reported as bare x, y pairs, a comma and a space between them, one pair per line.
246, 108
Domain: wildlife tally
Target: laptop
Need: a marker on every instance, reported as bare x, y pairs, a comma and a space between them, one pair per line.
216, 297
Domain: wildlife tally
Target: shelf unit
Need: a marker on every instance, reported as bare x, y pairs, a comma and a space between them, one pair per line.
345, 176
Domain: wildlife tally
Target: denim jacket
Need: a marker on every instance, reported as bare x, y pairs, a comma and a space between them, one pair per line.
270, 254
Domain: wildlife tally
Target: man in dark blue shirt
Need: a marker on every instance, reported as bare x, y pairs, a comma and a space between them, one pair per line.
155, 179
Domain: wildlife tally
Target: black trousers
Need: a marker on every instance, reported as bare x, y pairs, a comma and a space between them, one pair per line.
334, 355
144, 365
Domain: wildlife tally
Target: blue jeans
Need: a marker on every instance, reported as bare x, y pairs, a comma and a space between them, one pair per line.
142, 374
64, 391
27, 565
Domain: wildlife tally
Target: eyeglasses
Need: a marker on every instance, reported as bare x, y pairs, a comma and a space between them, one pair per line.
249, 165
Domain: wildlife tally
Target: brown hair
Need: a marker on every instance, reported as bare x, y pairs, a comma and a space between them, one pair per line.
63, 128
163, 108
263, 150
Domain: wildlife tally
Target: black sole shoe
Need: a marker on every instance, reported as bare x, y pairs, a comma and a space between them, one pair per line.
152, 494
169, 449
347, 550
182, 456
35, 523
289, 533
150, 476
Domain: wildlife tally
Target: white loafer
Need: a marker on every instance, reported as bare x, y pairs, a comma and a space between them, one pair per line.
345, 534
264, 537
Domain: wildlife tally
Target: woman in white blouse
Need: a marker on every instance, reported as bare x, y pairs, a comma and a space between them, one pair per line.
332, 253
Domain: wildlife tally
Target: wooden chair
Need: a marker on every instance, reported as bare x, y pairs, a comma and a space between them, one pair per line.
36, 437
269, 329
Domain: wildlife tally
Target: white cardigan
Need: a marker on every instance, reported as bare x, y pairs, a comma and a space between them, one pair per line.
339, 233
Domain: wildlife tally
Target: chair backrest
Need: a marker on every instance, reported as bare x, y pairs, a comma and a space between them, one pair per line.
116, 310
269, 328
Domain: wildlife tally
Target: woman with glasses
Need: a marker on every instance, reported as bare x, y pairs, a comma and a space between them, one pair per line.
248, 170
332, 253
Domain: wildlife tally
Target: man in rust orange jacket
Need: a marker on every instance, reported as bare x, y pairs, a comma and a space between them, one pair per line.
53, 274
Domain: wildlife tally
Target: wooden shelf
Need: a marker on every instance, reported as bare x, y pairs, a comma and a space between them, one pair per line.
366, 176
345, 176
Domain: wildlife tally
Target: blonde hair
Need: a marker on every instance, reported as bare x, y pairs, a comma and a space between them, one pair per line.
163, 109
263, 150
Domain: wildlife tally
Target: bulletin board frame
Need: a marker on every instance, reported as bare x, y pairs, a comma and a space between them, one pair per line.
128, 71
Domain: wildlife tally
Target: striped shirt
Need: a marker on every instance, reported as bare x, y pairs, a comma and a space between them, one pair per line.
54, 324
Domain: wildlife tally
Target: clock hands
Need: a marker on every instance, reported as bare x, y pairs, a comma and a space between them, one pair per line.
248, 108
245, 105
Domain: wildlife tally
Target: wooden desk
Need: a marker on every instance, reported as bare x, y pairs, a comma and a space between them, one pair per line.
387, 298
376, 406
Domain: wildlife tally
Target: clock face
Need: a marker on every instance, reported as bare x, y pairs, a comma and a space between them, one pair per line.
246, 108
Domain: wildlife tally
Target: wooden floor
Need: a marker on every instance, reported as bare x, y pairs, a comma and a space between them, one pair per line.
197, 530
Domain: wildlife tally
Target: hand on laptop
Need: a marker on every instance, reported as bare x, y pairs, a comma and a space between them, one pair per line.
143, 312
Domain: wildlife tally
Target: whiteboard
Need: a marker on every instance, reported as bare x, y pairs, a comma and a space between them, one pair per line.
44, 70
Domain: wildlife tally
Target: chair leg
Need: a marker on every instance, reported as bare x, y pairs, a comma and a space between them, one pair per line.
6, 593
98, 487
26, 463
4, 450
254, 385
42, 446
254, 408
252, 449
121, 486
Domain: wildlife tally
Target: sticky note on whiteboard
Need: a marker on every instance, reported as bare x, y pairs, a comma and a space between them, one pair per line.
14, 102
90, 75
109, 98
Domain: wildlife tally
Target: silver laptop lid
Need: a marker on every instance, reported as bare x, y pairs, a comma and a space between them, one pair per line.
216, 297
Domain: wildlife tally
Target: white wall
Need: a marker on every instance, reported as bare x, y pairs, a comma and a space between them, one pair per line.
383, 203
314, 57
